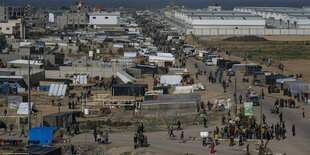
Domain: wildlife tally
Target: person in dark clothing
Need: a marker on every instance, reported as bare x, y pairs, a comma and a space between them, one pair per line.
223, 119
179, 125
281, 117
240, 99
205, 122
23, 132
69, 104
5, 112
171, 132
303, 112
293, 130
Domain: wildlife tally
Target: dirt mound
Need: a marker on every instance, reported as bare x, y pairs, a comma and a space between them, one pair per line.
246, 38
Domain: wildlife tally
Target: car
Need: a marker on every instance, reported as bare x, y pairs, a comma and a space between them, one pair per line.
254, 99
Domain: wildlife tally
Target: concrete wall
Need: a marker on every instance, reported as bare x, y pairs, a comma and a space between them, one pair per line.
249, 31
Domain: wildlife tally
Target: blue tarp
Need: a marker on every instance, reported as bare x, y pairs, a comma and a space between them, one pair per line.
42, 134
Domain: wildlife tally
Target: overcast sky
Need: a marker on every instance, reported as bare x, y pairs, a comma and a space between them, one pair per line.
228, 4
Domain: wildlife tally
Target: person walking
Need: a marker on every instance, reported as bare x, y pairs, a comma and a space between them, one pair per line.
264, 119
216, 138
22, 132
281, 117
205, 122
303, 113
182, 137
240, 99
293, 130
5, 112
179, 125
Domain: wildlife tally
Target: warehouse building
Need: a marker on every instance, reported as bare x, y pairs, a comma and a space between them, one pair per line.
244, 21
281, 17
205, 23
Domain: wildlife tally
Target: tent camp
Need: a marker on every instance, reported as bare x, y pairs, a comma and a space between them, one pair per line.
170, 79
80, 79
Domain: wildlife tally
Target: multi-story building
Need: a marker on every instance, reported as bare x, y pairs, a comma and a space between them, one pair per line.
16, 12
13, 28
72, 20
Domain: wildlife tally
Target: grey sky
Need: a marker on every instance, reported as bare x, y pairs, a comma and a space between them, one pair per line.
162, 3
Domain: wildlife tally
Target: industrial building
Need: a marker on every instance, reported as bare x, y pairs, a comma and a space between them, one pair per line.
242, 21
281, 17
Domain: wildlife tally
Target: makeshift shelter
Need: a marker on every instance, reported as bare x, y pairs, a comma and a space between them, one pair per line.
17, 83
147, 69
80, 79
171, 105
272, 79
130, 54
46, 83
23, 108
134, 72
40, 150
246, 68
183, 89
296, 87
129, 89
43, 135
57, 90
176, 71
64, 119
170, 79
125, 77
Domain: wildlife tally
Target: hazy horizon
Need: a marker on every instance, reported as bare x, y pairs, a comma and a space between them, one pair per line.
142, 4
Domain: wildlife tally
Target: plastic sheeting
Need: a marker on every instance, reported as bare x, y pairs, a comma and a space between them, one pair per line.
23, 108
125, 77
170, 79
80, 79
297, 86
57, 90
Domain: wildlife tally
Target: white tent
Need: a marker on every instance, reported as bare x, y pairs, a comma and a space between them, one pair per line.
125, 77
23, 108
57, 90
170, 79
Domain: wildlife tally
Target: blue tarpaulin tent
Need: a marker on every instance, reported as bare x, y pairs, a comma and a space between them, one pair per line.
45, 135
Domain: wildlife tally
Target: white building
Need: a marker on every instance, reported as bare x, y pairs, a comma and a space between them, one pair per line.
281, 17
104, 18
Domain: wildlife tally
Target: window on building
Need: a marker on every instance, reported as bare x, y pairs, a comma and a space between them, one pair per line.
236, 27
94, 17
7, 28
82, 20
106, 17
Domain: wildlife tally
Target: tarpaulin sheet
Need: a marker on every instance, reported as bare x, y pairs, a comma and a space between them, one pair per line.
170, 79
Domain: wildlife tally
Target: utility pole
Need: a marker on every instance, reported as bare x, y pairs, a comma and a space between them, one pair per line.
261, 125
236, 99
29, 91
58, 120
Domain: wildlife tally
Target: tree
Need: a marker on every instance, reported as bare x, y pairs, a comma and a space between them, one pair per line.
120, 51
